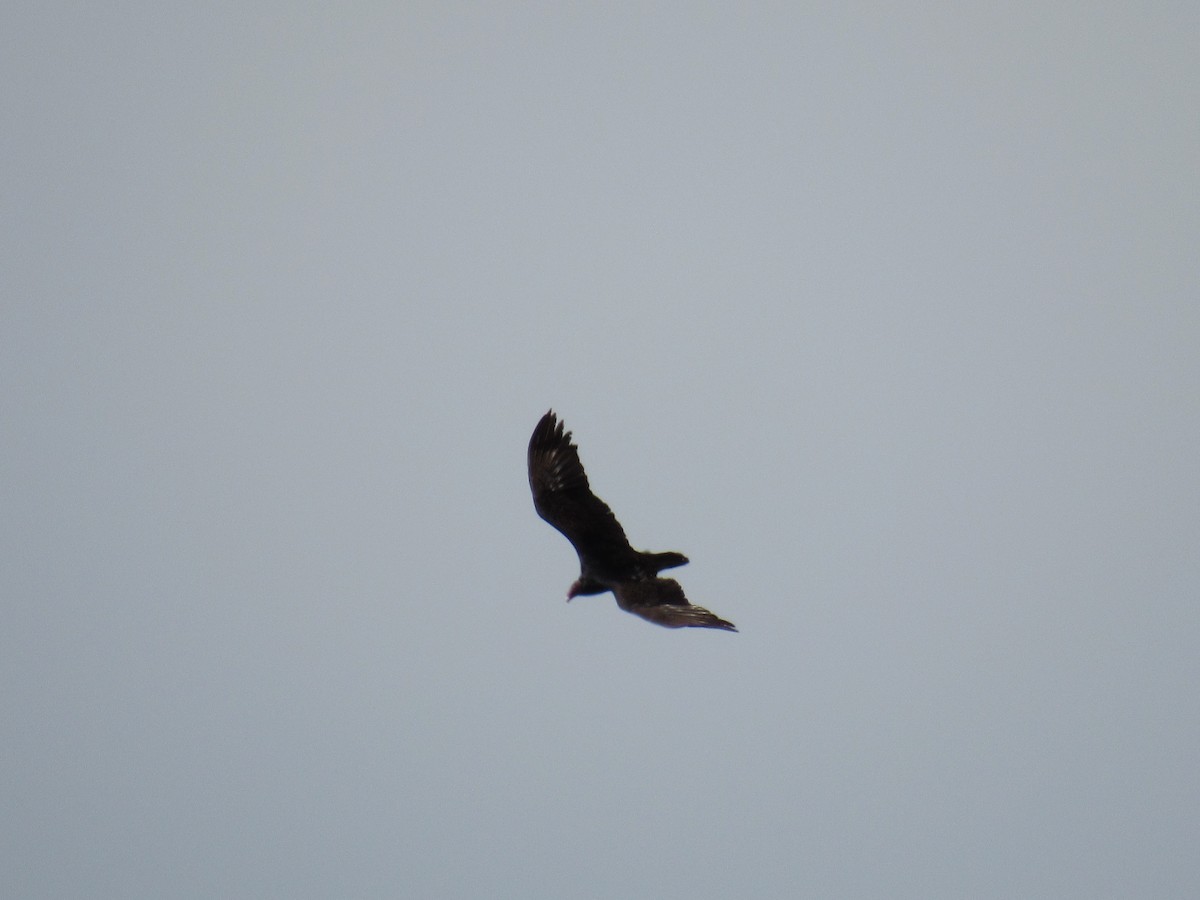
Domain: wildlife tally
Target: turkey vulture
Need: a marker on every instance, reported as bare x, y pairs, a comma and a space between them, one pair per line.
562, 497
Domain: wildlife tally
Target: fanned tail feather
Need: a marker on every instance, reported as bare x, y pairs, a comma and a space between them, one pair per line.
660, 561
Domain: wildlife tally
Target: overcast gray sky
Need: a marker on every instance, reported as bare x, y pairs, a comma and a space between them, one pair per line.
887, 317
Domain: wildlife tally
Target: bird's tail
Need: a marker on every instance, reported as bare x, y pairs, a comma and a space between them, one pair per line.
656, 562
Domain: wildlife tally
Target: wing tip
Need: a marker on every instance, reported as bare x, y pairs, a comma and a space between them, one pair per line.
550, 430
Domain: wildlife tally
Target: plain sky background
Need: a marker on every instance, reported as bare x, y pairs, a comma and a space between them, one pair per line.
887, 315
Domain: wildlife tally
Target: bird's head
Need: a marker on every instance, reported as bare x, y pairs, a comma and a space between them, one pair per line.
585, 585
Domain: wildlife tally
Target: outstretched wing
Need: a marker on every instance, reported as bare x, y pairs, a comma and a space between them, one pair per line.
662, 601
562, 497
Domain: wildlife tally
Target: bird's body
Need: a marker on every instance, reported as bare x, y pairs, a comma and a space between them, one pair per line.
607, 562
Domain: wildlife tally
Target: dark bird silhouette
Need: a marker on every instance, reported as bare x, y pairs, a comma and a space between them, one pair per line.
562, 496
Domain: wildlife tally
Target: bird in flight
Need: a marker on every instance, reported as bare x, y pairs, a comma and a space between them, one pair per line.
562, 497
